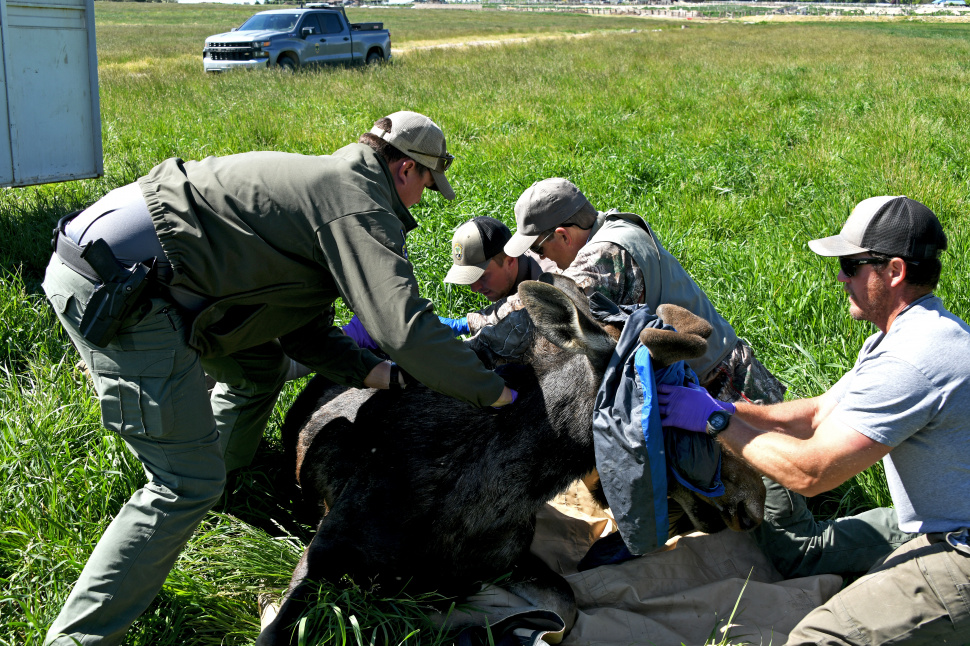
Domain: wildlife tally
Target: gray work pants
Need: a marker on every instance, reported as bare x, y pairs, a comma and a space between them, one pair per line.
152, 392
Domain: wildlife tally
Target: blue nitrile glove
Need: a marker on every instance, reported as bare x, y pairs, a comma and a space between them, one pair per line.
355, 330
458, 326
688, 408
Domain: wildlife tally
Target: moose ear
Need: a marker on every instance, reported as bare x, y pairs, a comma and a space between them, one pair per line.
667, 346
568, 286
683, 320
559, 320
687, 342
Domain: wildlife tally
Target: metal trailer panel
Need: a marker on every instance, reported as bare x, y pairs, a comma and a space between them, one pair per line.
49, 93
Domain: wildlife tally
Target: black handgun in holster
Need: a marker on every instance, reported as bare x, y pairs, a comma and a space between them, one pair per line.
116, 296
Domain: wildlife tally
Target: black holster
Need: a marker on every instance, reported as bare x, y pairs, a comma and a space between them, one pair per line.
117, 295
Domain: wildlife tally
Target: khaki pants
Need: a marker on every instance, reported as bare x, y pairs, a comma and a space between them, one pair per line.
153, 394
919, 595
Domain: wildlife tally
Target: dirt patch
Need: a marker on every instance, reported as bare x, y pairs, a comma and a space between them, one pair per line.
486, 42
682, 14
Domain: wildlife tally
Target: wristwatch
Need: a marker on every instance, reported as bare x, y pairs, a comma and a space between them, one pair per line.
717, 422
396, 381
399, 379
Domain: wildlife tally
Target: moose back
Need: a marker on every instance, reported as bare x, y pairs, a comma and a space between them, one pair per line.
416, 488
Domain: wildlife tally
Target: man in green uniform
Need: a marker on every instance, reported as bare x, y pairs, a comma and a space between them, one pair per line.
248, 253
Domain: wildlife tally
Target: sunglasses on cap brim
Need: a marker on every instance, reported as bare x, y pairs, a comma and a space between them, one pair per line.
444, 161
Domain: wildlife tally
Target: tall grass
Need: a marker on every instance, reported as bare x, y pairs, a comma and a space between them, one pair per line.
737, 142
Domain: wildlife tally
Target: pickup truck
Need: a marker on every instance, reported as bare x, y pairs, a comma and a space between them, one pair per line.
292, 38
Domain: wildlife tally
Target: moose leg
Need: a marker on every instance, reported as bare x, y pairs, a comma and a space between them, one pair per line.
327, 558
321, 561
345, 543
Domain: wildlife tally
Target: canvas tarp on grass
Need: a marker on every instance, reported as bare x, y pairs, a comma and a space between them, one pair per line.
682, 594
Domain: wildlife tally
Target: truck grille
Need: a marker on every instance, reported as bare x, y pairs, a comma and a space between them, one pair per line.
230, 51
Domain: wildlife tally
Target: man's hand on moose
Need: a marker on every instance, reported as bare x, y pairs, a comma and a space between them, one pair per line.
688, 408
519, 377
379, 376
508, 397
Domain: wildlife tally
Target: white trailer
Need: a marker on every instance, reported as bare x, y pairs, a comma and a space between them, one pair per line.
49, 92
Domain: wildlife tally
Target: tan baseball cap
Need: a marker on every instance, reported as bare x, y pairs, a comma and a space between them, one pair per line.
544, 205
422, 140
473, 246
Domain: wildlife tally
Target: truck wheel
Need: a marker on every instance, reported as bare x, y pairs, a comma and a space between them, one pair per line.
375, 58
287, 64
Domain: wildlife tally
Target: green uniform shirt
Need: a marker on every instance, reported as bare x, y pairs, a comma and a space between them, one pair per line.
272, 239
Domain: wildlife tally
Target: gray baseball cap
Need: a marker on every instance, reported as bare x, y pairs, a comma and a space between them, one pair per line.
473, 246
422, 140
544, 205
893, 225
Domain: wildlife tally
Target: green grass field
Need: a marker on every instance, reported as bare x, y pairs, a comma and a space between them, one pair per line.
738, 143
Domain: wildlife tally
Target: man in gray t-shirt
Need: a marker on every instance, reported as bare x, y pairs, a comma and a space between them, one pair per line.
910, 390
905, 402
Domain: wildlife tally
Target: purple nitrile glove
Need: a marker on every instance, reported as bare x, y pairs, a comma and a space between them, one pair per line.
355, 330
688, 408
515, 395
727, 407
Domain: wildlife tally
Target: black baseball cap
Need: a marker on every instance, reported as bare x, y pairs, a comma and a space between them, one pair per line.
892, 225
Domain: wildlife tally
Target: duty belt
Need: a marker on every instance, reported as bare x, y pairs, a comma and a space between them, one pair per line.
70, 254
69, 251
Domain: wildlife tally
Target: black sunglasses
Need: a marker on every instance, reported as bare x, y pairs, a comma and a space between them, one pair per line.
850, 265
537, 248
445, 160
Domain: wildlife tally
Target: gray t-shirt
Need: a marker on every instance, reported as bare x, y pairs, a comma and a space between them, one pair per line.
910, 389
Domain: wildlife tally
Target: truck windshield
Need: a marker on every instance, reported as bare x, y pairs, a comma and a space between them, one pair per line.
271, 22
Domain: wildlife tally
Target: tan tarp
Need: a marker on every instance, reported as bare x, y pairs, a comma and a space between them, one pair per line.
683, 594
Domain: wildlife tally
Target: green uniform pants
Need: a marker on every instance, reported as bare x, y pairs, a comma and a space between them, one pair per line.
798, 545
152, 392
919, 596
790, 537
